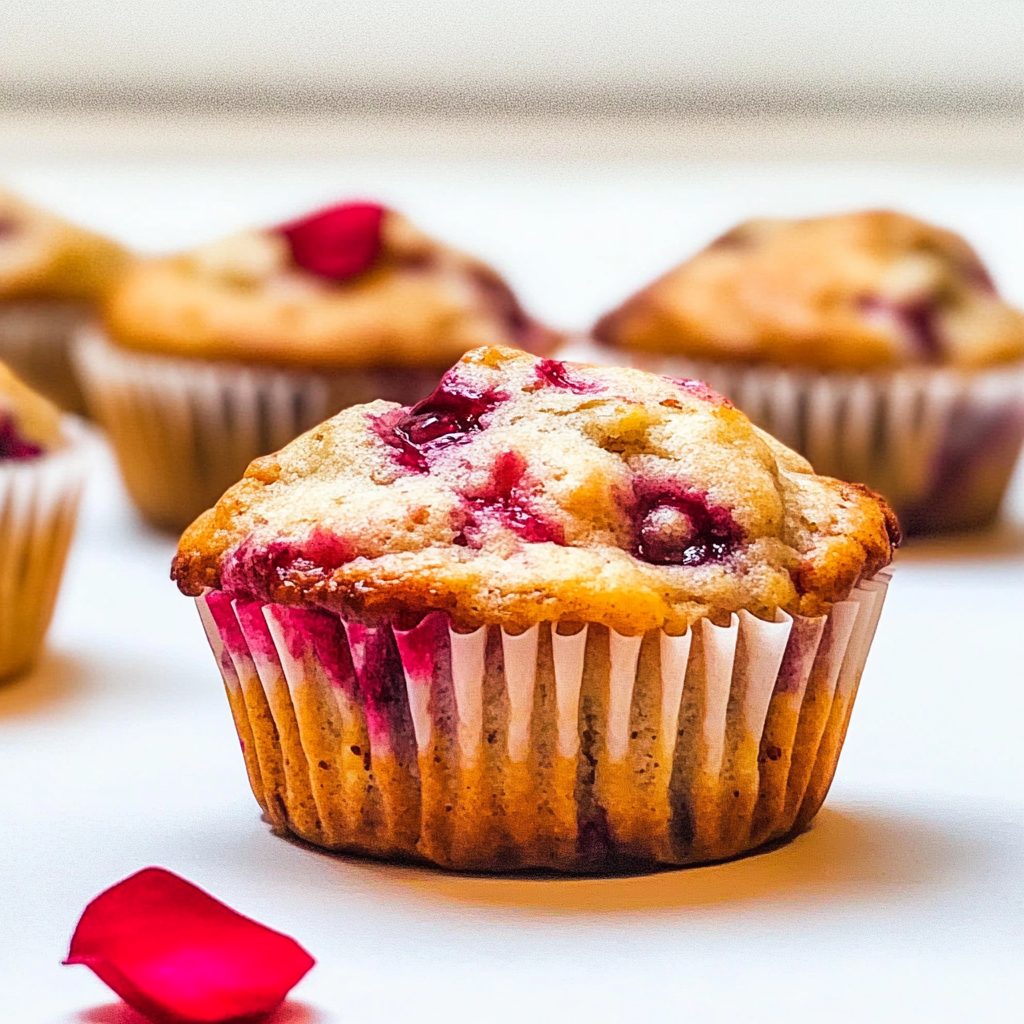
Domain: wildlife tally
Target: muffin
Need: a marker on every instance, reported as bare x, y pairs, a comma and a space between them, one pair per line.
570, 618
209, 359
52, 273
874, 344
43, 465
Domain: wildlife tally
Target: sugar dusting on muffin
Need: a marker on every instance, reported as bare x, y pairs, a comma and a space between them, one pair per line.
29, 424
525, 490
849, 292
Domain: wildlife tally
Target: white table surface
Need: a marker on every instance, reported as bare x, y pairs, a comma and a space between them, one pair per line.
905, 901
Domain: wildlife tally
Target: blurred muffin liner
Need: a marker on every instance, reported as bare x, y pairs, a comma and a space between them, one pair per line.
939, 444
184, 430
581, 752
35, 342
39, 500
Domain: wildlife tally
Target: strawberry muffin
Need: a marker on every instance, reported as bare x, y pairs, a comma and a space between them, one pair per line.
42, 473
208, 359
551, 616
873, 343
52, 274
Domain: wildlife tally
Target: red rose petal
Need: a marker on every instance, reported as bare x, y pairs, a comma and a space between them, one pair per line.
179, 956
337, 243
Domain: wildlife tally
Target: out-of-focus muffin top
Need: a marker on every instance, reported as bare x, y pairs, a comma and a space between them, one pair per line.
855, 291
29, 424
42, 256
528, 490
352, 286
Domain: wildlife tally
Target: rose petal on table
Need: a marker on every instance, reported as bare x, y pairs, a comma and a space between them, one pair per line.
179, 956
336, 243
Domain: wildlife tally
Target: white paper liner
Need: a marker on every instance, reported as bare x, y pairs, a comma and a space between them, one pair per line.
939, 443
573, 752
39, 501
184, 430
35, 342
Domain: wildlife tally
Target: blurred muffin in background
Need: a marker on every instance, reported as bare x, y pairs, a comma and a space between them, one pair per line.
51, 275
211, 358
43, 464
873, 343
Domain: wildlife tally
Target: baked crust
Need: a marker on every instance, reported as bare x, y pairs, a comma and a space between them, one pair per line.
419, 304
527, 490
26, 418
43, 256
855, 291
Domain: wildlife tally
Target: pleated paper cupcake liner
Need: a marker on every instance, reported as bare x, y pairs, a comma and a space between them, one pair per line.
582, 751
39, 501
35, 342
184, 430
940, 444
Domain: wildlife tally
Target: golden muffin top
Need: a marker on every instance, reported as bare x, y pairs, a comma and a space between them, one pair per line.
855, 291
526, 490
42, 256
29, 424
352, 286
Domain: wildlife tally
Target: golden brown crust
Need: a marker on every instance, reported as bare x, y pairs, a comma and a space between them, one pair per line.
855, 291
578, 493
31, 417
43, 256
243, 299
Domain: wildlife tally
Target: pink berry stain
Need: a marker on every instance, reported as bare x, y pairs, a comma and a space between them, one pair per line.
555, 374
698, 389
256, 570
14, 447
506, 501
677, 525
338, 243
378, 668
448, 416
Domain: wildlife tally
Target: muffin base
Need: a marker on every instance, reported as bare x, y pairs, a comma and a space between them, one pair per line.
35, 342
39, 501
576, 753
185, 430
939, 444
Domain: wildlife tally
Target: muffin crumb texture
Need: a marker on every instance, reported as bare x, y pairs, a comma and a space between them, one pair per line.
527, 490
354, 286
42, 256
856, 291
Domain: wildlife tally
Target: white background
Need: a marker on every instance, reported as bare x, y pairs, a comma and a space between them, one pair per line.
905, 903
487, 49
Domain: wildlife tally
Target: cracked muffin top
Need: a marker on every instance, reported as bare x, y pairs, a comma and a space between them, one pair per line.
526, 490
352, 286
855, 291
42, 256
29, 424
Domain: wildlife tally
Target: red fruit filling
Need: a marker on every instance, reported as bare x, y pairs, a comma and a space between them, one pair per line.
255, 570
8, 226
179, 956
679, 526
916, 321
446, 417
14, 447
556, 374
507, 501
337, 243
